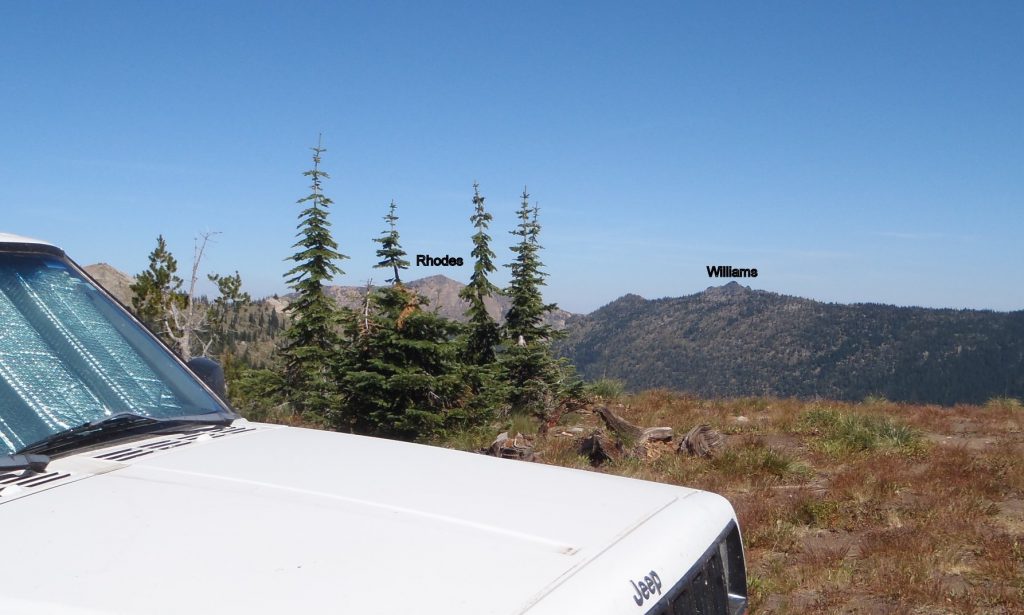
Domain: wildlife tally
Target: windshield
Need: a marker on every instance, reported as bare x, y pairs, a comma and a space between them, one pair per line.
69, 355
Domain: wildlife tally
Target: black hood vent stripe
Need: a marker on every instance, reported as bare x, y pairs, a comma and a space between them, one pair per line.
140, 450
29, 479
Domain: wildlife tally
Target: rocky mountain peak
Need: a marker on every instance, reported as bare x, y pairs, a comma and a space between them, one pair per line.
115, 281
732, 290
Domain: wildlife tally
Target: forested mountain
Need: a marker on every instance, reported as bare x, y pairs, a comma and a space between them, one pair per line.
249, 333
731, 340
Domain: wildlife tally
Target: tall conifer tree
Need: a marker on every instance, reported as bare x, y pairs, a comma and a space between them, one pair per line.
311, 351
525, 318
390, 250
156, 290
537, 383
484, 334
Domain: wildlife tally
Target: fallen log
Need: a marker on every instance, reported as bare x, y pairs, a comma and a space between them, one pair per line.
657, 434
633, 438
622, 428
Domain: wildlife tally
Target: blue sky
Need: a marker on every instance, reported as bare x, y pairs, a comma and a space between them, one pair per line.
850, 151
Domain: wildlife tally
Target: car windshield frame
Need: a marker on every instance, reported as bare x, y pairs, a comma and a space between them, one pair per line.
71, 354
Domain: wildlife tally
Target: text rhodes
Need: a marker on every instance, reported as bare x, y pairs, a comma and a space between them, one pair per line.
426, 260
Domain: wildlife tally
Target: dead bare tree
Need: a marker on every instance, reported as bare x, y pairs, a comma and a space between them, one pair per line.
365, 329
188, 319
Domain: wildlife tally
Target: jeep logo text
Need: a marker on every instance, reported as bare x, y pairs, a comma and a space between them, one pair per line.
646, 587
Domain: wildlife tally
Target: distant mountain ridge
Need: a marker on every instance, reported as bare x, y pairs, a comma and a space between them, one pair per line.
732, 341
442, 293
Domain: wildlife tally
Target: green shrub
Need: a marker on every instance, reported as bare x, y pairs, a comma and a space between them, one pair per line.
759, 461
1004, 403
846, 432
770, 461
606, 388
523, 423
256, 394
817, 513
819, 418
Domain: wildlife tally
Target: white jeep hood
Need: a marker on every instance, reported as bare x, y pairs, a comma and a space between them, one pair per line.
285, 520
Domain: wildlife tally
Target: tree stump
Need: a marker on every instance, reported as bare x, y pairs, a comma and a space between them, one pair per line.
518, 447
701, 441
599, 448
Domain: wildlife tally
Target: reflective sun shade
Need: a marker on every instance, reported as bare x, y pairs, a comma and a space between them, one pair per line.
68, 356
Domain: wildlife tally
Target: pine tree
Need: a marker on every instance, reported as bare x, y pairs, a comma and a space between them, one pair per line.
390, 250
311, 351
225, 309
157, 289
401, 374
537, 382
484, 334
403, 377
524, 322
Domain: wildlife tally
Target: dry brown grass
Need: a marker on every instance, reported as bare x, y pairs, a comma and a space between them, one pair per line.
870, 507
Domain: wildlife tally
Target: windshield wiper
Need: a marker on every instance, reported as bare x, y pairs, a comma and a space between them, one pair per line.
118, 424
36, 463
